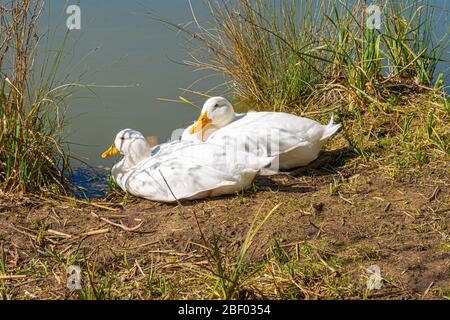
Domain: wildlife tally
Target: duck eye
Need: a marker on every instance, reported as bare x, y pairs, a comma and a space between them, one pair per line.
216, 106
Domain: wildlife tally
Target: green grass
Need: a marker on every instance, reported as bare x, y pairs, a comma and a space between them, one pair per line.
294, 55
229, 277
32, 158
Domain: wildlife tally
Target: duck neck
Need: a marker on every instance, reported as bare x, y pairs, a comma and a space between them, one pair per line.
209, 130
133, 159
226, 120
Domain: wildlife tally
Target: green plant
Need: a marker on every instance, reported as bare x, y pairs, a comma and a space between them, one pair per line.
284, 55
230, 277
32, 157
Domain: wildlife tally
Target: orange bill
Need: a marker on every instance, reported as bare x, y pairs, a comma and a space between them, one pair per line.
200, 125
110, 152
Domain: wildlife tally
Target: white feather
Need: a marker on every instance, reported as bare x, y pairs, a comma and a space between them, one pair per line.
294, 141
183, 169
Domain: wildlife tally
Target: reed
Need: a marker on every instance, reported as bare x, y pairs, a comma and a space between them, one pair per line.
286, 54
31, 103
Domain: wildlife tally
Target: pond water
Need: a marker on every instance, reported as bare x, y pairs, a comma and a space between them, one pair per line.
130, 59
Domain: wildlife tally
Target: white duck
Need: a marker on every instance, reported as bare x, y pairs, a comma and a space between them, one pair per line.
180, 170
295, 141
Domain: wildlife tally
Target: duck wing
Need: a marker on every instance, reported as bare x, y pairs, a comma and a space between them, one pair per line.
184, 172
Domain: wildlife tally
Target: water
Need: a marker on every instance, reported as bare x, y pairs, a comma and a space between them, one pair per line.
127, 50
119, 45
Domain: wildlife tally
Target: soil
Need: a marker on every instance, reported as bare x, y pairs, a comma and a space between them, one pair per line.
358, 215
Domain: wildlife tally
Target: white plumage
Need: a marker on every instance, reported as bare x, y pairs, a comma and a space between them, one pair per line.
182, 169
294, 141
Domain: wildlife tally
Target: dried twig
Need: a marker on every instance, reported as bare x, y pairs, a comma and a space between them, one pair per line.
326, 264
59, 233
94, 232
434, 194
12, 277
120, 225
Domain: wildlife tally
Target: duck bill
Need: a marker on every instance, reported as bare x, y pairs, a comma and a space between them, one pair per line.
110, 152
200, 125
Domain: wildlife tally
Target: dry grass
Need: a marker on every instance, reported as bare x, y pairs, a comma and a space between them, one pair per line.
32, 158
314, 245
409, 132
291, 55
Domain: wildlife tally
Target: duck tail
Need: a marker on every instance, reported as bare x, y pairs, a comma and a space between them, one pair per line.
330, 129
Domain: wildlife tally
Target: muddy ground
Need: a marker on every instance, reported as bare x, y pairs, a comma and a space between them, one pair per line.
332, 224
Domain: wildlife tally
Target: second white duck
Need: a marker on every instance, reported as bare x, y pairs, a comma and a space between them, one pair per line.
294, 141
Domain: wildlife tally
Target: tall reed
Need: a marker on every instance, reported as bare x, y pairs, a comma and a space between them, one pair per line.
279, 54
31, 103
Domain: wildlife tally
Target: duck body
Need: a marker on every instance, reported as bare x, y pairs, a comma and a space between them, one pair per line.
293, 141
186, 170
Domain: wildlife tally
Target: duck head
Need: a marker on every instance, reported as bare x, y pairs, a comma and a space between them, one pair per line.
216, 112
132, 145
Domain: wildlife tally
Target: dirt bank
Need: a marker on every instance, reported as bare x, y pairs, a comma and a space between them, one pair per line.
330, 227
